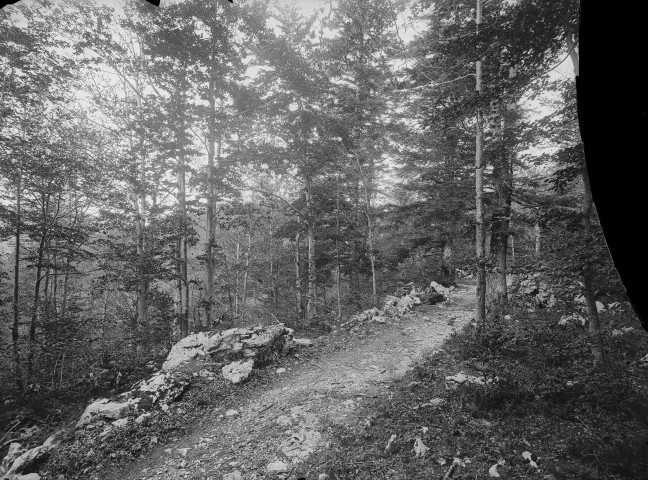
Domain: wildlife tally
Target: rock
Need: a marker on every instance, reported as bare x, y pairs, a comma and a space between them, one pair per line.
231, 413
183, 451
627, 329
322, 476
236, 372
161, 388
15, 451
573, 318
616, 333
438, 288
29, 476
303, 342
30, 460
122, 422
281, 370
50, 442
460, 378
284, 420
599, 306
260, 343
277, 467
435, 402
235, 475
104, 408
143, 418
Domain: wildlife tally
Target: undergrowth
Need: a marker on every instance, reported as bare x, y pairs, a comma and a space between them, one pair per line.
541, 395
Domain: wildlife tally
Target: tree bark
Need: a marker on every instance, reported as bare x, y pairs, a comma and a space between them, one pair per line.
15, 328
337, 245
311, 302
300, 302
480, 313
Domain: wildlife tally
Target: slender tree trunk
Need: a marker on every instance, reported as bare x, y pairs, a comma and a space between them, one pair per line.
15, 328
211, 226
300, 302
245, 275
480, 314
586, 219
183, 284
588, 275
311, 305
372, 255
337, 245
45, 199
537, 234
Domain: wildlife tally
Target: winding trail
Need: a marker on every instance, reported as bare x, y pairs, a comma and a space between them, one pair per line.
286, 420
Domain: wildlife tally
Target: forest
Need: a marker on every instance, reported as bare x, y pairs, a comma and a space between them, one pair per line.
205, 165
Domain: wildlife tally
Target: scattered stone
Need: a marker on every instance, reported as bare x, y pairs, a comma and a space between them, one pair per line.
183, 451
235, 475
277, 467
143, 418
284, 421
616, 333
390, 447
238, 371
460, 378
231, 413
436, 402
281, 370
122, 422
599, 306
573, 318
323, 476
302, 342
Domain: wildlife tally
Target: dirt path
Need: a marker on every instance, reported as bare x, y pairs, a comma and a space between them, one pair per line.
287, 421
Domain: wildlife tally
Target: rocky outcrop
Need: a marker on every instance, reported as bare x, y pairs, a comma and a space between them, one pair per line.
196, 351
160, 389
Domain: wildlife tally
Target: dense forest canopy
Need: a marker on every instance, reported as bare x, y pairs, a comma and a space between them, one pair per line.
207, 164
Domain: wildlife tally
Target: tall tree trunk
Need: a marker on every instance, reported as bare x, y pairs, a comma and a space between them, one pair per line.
503, 181
311, 302
586, 219
211, 226
588, 275
370, 239
15, 327
245, 275
45, 201
537, 234
183, 285
298, 286
337, 245
480, 314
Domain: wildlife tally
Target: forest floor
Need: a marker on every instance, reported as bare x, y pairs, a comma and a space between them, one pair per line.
288, 417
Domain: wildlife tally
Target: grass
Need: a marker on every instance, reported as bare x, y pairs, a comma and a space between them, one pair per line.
581, 423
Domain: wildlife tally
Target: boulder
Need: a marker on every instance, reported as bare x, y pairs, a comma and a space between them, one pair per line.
235, 475
277, 467
29, 461
259, 343
104, 408
238, 371
15, 451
